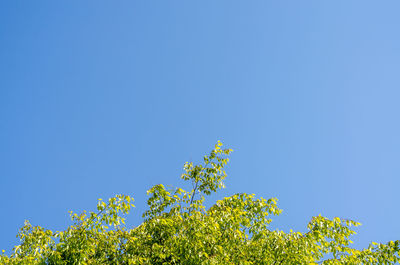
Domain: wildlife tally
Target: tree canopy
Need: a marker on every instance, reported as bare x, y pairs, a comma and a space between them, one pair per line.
177, 228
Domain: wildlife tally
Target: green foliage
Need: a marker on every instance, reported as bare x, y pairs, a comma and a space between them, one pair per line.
178, 229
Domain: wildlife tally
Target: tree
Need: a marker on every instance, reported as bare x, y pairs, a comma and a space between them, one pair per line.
178, 229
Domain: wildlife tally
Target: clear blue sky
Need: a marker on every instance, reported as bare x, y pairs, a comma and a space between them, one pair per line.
105, 97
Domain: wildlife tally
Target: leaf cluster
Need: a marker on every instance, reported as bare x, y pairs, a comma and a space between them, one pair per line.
178, 229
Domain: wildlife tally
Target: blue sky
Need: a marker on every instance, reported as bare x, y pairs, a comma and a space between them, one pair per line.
105, 97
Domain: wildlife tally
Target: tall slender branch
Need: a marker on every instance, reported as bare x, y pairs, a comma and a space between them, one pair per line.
194, 192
